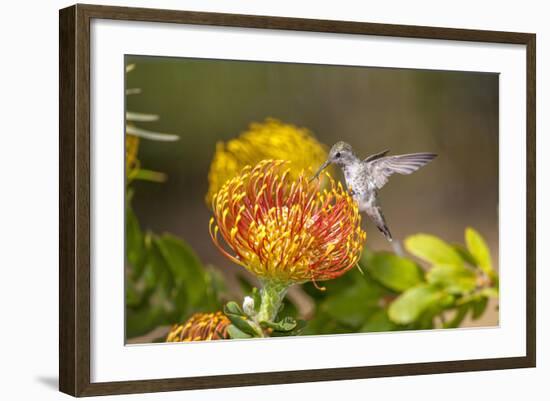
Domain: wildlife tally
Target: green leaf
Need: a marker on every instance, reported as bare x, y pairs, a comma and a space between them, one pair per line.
235, 333
157, 273
256, 296
179, 255
433, 250
300, 325
459, 316
394, 272
347, 303
173, 285
242, 324
233, 308
454, 279
237, 316
148, 175
490, 292
185, 266
465, 254
409, 306
352, 305
132, 296
478, 307
479, 250
135, 247
378, 321
215, 287
284, 325
143, 320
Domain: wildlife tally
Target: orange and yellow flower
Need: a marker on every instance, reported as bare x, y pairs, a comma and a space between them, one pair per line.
200, 327
285, 230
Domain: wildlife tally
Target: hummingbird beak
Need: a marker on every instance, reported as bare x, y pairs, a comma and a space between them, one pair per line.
323, 166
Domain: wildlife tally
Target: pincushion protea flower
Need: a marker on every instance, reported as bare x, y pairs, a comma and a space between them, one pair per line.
271, 139
286, 231
200, 327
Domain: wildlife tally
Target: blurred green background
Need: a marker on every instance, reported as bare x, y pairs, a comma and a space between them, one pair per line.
454, 114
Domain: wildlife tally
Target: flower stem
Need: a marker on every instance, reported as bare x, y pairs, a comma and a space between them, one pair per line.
272, 294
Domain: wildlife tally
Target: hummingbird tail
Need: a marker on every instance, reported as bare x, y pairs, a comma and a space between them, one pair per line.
375, 214
385, 230
396, 246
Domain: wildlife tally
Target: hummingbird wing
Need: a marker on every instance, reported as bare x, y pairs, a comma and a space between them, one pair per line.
376, 156
382, 168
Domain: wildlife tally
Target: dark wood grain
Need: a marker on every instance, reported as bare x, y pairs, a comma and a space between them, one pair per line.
301, 24
531, 228
74, 206
67, 288
301, 376
74, 199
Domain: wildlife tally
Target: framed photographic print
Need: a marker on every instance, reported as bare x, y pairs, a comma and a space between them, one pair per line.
240, 192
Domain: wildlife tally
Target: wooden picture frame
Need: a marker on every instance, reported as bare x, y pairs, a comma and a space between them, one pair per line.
74, 203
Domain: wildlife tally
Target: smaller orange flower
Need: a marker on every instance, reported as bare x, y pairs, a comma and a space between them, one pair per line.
200, 327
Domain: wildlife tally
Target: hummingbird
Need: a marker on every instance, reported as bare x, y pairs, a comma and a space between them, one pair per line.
364, 178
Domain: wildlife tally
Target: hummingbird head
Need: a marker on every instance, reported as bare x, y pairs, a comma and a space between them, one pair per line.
340, 154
